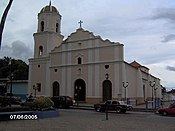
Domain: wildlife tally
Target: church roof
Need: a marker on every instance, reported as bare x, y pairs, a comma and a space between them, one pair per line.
80, 34
49, 8
137, 65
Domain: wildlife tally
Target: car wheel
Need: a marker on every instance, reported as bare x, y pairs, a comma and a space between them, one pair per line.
164, 113
118, 110
98, 109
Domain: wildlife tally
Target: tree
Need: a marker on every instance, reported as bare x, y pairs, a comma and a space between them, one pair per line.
3, 19
19, 69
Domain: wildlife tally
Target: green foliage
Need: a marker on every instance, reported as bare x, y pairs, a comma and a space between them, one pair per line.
18, 68
43, 102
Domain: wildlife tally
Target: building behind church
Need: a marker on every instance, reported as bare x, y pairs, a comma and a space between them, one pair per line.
84, 66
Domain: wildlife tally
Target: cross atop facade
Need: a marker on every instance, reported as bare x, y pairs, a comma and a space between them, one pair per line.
80, 22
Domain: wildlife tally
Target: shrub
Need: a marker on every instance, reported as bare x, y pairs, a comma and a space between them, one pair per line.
43, 102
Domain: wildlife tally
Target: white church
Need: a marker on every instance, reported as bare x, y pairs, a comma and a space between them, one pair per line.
84, 66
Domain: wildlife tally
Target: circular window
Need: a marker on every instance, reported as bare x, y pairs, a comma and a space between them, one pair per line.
106, 66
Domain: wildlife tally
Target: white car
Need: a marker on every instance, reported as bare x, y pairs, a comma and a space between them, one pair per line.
129, 107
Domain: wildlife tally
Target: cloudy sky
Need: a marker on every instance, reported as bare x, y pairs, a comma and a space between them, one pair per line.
145, 27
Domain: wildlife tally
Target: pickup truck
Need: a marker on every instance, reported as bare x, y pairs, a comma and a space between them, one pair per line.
111, 105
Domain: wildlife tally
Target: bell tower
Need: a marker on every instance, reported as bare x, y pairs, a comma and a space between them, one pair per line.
48, 34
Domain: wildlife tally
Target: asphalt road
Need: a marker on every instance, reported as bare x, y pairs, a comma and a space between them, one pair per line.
88, 120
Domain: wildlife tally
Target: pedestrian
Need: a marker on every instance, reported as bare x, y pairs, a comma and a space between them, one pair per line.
161, 102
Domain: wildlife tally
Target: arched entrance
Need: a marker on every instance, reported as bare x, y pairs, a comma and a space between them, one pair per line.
80, 90
107, 90
56, 88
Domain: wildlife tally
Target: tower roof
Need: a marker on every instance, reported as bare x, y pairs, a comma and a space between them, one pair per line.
49, 8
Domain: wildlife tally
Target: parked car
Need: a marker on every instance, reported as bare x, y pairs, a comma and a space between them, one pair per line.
62, 101
112, 105
129, 107
5, 100
170, 110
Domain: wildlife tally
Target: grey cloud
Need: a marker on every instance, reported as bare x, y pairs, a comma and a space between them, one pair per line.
168, 15
18, 50
165, 13
168, 38
170, 68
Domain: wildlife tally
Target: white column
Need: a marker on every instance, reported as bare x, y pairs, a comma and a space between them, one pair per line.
90, 80
116, 80
97, 81
69, 55
48, 84
63, 61
69, 82
63, 81
90, 70
124, 79
139, 84
97, 71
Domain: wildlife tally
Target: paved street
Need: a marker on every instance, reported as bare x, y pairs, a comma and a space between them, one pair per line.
86, 120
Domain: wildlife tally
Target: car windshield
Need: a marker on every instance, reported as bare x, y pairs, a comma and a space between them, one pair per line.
171, 105
122, 102
108, 102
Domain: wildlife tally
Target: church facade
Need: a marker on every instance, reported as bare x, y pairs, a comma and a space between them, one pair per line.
84, 66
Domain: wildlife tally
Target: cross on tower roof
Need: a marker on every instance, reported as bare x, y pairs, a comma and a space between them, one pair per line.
80, 22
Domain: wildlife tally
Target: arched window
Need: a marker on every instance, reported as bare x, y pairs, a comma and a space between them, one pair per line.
56, 27
79, 60
42, 25
41, 50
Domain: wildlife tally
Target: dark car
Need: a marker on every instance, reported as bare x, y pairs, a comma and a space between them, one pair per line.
170, 110
62, 101
112, 105
6, 100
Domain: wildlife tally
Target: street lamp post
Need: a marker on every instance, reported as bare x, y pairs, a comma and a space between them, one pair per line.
35, 89
125, 85
152, 84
